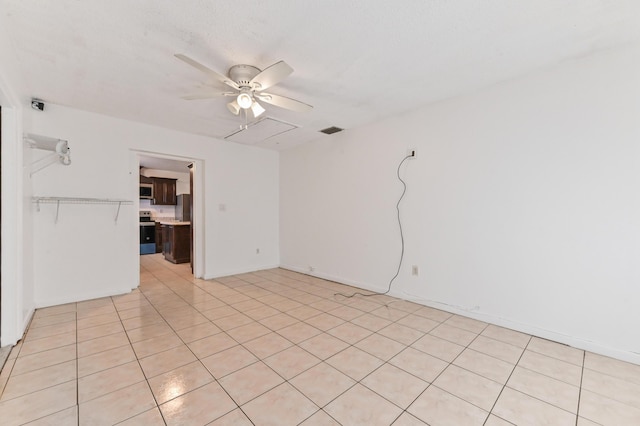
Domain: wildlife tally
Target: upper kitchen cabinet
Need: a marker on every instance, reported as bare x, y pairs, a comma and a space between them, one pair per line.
164, 191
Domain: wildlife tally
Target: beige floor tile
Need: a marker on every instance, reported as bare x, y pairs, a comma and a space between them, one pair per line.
5, 373
419, 323
465, 323
39, 360
67, 417
262, 312
177, 382
102, 344
211, 345
322, 383
54, 310
97, 320
611, 387
437, 407
524, 410
419, 364
50, 330
233, 321
228, 361
434, 314
92, 311
248, 332
104, 360
400, 333
547, 389
166, 361
39, 404
552, 367
613, 367
278, 321
389, 313
506, 335
320, 418
187, 321
281, 406
557, 350
349, 333
354, 362
395, 385
584, 422
323, 345
154, 345
99, 331
142, 321
453, 334
298, 332
36, 380
291, 362
233, 418
469, 386
198, 332
48, 343
216, 314
267, 345
59, 318
361, 406
407, 419
371, 322
148, 418
497, 349
250, 382
496, 421
117, 406
324, 321
380, 346
346, 313
484, 365
107, 381
438, 347
149, 332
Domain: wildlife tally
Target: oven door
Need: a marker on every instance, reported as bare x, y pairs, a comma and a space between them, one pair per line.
147, 237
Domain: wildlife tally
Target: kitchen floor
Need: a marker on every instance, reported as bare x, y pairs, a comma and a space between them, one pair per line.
279, 348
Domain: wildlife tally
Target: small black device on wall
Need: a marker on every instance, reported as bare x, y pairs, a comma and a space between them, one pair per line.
37, 104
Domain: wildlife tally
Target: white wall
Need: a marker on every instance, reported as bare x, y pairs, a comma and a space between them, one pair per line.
87, 255
17, 278
522, 208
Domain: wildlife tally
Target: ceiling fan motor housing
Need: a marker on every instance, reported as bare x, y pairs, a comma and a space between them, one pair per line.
243, 74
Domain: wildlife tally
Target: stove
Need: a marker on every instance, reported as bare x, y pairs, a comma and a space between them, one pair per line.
147, 233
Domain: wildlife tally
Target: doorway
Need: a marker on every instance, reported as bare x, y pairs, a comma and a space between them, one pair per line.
175, 206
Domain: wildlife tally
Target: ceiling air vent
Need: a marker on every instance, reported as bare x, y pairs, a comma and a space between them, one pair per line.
331, 130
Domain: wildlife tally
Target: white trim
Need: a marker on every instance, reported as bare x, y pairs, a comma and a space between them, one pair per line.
502, 322
228, 272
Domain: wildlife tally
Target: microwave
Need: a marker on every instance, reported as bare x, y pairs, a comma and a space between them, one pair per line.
146, 191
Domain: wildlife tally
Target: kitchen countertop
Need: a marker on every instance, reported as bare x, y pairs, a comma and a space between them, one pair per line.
173, 222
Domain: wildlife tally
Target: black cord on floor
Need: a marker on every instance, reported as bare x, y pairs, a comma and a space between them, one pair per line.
404, 190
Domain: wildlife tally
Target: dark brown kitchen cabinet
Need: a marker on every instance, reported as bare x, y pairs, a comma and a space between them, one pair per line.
176, 243
164, 191
158, 237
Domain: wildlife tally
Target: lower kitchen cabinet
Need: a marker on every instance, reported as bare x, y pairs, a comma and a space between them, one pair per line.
158, 237
176, 243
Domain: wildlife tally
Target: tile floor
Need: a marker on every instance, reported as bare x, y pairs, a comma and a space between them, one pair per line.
278, 348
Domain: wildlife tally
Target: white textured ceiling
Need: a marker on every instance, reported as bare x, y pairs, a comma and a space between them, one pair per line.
354, 61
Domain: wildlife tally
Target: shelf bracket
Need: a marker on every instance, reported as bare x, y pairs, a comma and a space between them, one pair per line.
57, 210
118, 211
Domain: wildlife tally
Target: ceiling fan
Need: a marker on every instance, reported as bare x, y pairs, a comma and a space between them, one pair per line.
248, 83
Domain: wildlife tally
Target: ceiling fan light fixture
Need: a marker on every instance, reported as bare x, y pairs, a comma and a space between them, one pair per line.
256, 109
244, 100
234, 107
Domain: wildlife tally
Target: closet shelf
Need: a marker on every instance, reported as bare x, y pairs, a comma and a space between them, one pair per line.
79, 200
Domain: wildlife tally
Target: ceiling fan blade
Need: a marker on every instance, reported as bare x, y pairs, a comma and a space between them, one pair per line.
284, 102
221, 78
271, 75
207, 95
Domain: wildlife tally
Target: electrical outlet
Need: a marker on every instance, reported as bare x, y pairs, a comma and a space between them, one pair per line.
415, 270
412, 153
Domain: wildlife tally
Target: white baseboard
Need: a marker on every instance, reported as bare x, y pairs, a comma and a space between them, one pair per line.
531, 329
226, 273
44, 303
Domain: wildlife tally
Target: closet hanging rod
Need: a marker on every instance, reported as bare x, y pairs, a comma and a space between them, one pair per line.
79, 200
